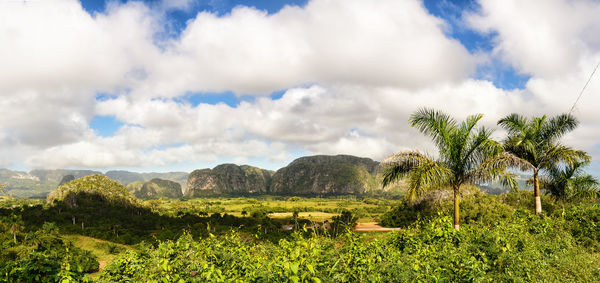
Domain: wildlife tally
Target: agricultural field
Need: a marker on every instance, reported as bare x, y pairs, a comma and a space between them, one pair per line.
312, 209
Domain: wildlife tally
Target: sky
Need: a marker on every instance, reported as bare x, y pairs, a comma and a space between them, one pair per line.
186, 84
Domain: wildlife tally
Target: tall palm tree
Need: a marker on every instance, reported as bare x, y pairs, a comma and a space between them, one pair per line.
537, 143
570, 181
467, 155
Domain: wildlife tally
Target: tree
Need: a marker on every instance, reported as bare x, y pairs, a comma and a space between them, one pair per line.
467, 155
537, 143
295, 215
570, 181
15, 225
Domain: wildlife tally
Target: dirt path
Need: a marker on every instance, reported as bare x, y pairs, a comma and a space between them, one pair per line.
372, 227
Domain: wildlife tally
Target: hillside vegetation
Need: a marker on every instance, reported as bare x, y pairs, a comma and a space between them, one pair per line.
155, 188
92, 188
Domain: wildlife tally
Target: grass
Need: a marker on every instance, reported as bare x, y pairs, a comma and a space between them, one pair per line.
106, 251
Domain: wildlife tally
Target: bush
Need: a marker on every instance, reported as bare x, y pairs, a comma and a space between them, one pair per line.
45, 257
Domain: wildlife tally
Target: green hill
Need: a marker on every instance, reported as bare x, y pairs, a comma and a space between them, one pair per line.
94, 188
155, 188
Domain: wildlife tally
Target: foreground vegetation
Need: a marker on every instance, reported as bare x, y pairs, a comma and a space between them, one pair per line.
501, 239
520, 247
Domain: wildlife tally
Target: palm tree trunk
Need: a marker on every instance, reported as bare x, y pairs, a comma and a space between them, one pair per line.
456, 207
536, 193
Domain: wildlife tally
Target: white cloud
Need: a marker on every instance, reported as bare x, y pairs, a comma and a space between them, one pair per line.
387, 42
556, 43
354, 71
545, 38
55, 59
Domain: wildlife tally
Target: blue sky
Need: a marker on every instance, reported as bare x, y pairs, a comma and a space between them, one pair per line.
186, 84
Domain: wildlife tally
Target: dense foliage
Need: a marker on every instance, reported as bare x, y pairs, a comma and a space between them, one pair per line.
41, 255
500, 240
515, 247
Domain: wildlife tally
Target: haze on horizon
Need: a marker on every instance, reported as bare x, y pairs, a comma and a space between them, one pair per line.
180, 85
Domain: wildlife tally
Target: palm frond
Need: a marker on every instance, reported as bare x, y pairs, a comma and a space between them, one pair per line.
438, 125
558, 126
422, 172
563, 153
398, 165
513, 123
494, 169
568, 181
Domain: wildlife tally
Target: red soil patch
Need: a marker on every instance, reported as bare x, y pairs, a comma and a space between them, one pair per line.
372, 227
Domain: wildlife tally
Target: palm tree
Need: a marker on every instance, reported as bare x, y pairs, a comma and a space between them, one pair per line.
537, 143
16, 225
467, 155
570, 181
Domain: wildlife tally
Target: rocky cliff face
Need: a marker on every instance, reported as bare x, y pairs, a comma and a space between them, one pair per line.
155, 188
228, 179
313, 175
326, 175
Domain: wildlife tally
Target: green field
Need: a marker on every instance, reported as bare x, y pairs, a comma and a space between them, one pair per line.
314, 209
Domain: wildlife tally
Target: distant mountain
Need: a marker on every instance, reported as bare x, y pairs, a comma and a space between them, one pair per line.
65, 179
228, 179
126, 177
155, 188
37, 183
56, 175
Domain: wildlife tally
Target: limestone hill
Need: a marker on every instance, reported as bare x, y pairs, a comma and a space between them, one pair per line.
94, 188
228, 179
155, 188
326, 175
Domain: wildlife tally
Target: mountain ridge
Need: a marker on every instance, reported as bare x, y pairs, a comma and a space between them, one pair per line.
308, 175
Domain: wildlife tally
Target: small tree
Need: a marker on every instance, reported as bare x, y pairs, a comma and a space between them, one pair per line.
570, 182
15, 225
295, 216
467, 155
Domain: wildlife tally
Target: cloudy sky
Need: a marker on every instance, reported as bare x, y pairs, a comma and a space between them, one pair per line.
186, 84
